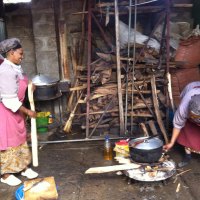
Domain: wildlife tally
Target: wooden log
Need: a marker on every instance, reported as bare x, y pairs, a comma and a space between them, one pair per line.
140, 106
146, 115
34, 140
144, 129
107, 57
152, 126
64, 50
142, 97
106, 125
157, 111
94, 125
113, 90
82, 39
81, 87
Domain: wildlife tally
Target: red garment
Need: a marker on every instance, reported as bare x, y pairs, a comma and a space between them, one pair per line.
1, 60
190, 136
12, 125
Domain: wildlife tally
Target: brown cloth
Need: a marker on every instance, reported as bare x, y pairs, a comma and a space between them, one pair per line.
189, 137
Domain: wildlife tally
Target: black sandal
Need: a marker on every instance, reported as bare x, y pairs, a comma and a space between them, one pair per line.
186, 160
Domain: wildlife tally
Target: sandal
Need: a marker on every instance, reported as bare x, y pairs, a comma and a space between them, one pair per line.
11, 180
30, 174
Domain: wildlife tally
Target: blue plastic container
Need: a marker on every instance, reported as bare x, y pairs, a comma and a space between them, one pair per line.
19, 193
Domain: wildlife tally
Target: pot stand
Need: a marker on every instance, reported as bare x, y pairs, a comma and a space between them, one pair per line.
149, 173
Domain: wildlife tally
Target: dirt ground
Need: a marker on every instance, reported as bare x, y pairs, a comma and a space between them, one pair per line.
67, 162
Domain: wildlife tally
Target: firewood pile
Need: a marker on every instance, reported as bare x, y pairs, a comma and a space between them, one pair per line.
141, 106
144, 85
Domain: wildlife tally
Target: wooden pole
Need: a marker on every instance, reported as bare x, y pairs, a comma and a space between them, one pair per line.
33, 127
119, 85
157, 111
88, 67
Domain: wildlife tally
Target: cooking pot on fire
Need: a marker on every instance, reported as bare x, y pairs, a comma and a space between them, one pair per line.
146, 149
46, 87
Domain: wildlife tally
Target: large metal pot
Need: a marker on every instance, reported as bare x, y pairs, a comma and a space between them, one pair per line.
46, 87
146, 149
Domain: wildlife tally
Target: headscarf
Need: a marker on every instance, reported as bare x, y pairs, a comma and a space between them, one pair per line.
8, 44
194, 107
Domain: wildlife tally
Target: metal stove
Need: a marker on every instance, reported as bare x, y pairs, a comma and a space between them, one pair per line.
152, 171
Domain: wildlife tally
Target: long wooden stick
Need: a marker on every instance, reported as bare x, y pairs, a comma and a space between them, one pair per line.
157, 111
33, 127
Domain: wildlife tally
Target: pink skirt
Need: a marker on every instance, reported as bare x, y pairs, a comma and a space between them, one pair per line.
189, 137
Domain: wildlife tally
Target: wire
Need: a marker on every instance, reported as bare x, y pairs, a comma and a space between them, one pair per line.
147, 2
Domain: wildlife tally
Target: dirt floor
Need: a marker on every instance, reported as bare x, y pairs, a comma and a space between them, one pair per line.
67, 162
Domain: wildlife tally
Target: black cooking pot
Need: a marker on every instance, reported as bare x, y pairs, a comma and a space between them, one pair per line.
46, 87
146, 149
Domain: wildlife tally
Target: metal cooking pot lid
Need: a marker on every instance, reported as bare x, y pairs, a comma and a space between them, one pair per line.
41, 80
146, 144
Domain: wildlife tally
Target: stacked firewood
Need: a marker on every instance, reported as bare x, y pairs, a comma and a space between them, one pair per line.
137, 87
123, 89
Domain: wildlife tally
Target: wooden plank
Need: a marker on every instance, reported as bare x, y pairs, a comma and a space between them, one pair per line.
64, 50
182, 5
176, 5
144, 129
152, 126
106, 169
34, 140
139, 106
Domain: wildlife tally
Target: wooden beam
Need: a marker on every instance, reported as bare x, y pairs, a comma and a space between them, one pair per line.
115, 110
119, 84
182, 5
157, 111
112, 168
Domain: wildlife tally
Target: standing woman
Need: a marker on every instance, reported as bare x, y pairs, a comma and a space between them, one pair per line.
15, 155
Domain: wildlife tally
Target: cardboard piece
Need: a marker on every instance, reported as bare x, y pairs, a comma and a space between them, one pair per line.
40, 189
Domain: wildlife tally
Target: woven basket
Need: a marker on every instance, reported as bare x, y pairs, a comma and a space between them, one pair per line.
189, 52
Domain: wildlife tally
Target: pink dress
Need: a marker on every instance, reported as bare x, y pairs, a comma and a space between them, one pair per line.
12, 125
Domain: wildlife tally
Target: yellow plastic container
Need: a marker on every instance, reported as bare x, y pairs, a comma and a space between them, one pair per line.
122, 148
42, 120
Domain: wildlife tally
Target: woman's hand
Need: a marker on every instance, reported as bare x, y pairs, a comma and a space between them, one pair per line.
168, 146
31, 113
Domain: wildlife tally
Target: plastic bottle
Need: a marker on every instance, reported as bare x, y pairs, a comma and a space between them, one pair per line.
50, 119
107, 148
